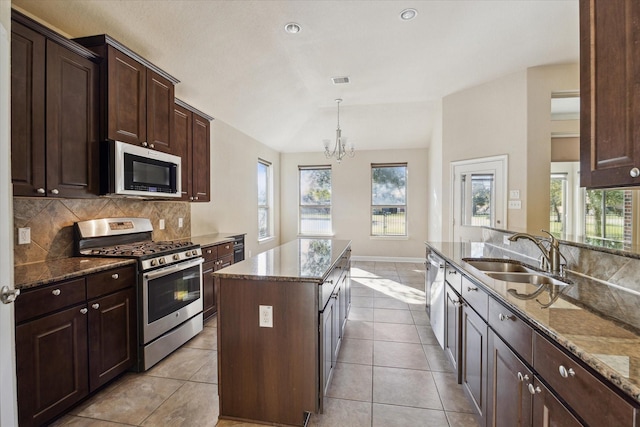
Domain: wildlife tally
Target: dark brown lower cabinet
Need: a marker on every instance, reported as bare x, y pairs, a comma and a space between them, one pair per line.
68, 345
509, 401
548, 411
474, 360
216, 257
208, 290
52, 365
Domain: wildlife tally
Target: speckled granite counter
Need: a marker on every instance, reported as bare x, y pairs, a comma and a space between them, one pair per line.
303, 259
610, 348
41, 273
214, 238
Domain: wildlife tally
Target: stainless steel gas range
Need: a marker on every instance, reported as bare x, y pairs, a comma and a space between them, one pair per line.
169, 281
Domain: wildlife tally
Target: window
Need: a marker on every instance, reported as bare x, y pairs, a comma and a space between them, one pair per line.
478, 191
558, 204
264, 200
315, 200
389, 199
604, 222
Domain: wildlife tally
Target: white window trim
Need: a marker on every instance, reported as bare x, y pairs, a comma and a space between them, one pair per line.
270, 235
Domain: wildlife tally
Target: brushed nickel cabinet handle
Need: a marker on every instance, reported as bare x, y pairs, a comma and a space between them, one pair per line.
115, 276
55, 191
40, 190
95, 306
83, 311
566, 373
470, 289
56, 292
534, 390
635, 172
502, 317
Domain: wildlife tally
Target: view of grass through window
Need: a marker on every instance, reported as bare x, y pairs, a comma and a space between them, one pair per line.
604, 215
315, 200
389, 200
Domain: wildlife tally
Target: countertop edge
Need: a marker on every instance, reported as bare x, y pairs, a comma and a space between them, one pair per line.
615, 378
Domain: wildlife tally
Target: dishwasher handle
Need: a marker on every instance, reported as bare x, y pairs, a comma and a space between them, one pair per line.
435, 261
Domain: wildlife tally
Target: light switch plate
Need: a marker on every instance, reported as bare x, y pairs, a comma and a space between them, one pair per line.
180, 222
515, 204
514, 194
161, 225
266, 316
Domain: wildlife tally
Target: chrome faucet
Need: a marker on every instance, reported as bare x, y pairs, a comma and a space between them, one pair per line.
552, 256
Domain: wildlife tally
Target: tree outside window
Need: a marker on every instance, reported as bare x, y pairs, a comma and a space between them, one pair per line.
389, 199
315, 200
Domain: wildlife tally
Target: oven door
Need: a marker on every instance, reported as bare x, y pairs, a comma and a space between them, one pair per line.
170, 296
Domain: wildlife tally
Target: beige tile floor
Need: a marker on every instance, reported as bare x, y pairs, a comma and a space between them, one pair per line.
390, 371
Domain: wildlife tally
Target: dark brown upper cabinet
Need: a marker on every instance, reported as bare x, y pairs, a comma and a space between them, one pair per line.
192, 140
54, 113
136, 96
609, 94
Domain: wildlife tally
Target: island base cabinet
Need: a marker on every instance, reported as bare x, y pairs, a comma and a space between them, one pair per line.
267, 374
547, 409
51, 365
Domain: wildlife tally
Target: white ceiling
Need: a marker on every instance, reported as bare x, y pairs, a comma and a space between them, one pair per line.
236, 62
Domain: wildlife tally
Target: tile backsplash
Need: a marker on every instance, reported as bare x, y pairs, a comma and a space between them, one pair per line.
51, 222
606, 281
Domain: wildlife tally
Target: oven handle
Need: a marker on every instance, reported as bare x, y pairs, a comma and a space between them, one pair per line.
173, 268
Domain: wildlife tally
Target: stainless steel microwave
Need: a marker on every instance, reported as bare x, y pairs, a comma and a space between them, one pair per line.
132, 171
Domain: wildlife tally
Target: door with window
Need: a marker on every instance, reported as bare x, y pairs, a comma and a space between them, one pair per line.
479, 193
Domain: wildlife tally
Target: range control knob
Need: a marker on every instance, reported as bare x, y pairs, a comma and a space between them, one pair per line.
161, 261
153, 262
176, 257
188, 253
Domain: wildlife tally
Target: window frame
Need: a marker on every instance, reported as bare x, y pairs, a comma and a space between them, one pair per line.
269, 199
405, 235
301, 232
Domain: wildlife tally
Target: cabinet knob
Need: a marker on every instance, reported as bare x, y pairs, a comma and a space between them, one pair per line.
502, 317
470, 289
565, 373
522, 377
635, 172
195, 198
144, 144
208, 251
152, 145
453, 272
95, 306
40, 190
115, 276
55, 191
534, 390
83, 310
56, 292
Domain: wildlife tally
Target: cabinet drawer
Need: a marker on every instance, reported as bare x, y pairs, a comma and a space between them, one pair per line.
512, 329
210, 253
49, 299
109, 281
475, 296
223, 262
591, 399
225, 249
453, 277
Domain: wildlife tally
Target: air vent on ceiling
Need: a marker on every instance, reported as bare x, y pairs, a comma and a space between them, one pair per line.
340, 80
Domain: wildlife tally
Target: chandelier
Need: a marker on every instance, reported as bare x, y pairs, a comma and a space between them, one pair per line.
340, 147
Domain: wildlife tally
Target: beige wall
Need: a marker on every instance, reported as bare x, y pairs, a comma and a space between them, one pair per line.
484, 121
509, 115
234, 197
351, 200
435, 186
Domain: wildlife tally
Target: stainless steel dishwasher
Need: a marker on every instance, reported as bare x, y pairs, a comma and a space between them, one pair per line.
435, 294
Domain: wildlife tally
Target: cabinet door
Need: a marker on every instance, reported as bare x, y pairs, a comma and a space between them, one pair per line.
182, 134
336, 339
160, 112
548, 411
609, 95
326, 338
27, 111
452, 330
508, 399
223, 262
208, 290
112, 336
51, 362
72, 124
126, 98
200, 159
474, 359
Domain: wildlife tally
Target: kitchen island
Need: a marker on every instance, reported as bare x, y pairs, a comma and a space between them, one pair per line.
280, 320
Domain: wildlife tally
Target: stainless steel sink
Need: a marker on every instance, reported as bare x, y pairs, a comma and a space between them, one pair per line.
498, 266
532, 278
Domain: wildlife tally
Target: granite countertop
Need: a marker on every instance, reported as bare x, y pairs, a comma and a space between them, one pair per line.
214, 238
609, 347
41, 273
308, 260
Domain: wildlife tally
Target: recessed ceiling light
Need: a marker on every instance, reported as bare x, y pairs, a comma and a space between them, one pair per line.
292, 28
408, 14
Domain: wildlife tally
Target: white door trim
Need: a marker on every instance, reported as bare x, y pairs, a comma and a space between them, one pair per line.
8, 395
502, 185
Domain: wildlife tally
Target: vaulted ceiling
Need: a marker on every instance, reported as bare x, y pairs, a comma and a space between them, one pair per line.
236, 62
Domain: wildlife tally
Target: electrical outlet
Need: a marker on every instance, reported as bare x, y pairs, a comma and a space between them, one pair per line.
266, 316
161, 226
24, 236
180, 222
